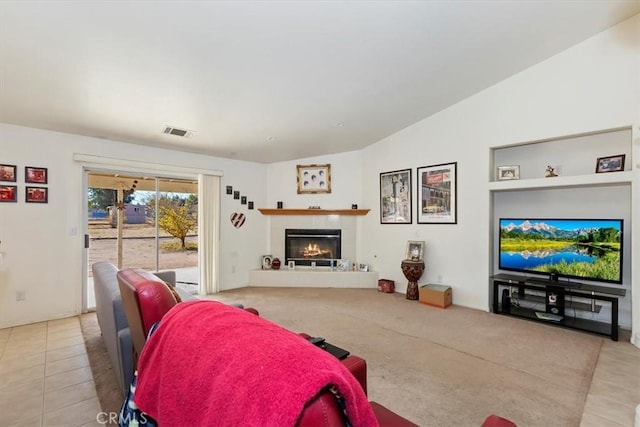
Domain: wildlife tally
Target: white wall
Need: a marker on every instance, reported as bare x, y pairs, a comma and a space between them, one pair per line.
592, 86
42, 257
346, 183
346, 189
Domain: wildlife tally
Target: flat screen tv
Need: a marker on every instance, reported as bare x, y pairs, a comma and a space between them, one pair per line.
587, 249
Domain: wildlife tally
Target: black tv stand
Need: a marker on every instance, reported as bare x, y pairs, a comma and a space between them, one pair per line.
527, 295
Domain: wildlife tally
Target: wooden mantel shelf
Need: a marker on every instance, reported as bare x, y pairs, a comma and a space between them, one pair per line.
265, 211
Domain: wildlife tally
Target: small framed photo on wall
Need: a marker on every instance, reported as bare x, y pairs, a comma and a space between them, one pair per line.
36, 194
8, 193
313, 179
8, 173
33, 175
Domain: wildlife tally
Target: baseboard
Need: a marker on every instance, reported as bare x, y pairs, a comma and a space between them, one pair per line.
313, 278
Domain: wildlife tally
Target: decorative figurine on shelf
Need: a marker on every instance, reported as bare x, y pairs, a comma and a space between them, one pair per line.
550, 172
275, 264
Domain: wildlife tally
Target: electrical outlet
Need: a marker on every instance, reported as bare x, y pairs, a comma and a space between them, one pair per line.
21, 295
439, 278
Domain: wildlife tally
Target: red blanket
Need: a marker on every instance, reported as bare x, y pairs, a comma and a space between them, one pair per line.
212, 364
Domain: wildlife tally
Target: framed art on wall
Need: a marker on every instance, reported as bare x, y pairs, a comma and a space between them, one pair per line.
8, 173
8, 193
395, 197
34, 175
313, 179
437, 194
36, 194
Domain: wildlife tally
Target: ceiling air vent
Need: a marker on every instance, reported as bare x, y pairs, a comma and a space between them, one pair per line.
170, 130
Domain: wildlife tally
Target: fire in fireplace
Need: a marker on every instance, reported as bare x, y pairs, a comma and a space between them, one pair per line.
304, 246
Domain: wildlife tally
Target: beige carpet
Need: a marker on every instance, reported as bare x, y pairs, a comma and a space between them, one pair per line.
436, 367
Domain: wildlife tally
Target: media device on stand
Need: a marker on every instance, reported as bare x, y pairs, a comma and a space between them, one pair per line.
584, 249
562, 262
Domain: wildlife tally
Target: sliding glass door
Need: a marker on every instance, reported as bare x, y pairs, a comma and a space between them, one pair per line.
144, 222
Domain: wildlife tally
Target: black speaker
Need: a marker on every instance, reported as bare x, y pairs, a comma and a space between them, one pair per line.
506, 301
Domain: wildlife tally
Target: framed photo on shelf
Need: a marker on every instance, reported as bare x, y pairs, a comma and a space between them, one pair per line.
8, 173
313, 179
36, 194
395, 197
343, 265
504, 173
33, 175
266, 262
610, 164
415, 250
8, 193
437, 194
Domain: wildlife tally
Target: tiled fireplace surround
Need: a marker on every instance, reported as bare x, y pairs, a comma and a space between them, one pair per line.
306, 276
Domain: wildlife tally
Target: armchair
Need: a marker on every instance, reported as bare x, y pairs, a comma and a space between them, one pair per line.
146, 299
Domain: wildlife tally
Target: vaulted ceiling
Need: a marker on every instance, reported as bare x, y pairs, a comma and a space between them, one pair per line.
268, 81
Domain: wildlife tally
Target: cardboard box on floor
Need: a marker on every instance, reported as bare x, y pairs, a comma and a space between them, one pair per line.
436, 295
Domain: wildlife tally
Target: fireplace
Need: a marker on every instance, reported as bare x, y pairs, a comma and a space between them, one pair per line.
304, 246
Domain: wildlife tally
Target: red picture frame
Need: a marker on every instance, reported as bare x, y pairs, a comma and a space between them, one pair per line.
36, 195
34, 175
8, 193
8, 173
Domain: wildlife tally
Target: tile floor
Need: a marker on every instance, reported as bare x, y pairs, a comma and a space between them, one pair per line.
45, 380
615, 388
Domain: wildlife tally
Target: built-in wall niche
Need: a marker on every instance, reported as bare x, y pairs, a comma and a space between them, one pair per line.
570, 156
577, 192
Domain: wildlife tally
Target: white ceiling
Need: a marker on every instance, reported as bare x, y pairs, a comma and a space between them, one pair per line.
269, 81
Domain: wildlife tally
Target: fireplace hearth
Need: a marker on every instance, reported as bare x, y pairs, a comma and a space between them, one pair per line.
304, 246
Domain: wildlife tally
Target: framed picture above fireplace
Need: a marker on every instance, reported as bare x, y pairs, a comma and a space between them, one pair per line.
314, 179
